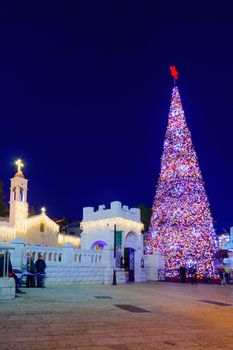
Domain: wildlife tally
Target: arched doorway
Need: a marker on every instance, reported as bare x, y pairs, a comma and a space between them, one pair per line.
129, 264
129, 256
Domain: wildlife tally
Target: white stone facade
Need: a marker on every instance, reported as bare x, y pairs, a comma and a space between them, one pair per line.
69, 264
99, 225
98, 231
66, 262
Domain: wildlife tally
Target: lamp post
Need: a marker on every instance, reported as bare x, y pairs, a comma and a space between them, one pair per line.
114, 259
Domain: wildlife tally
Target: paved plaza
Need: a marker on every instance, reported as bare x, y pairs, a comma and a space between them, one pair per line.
135, 316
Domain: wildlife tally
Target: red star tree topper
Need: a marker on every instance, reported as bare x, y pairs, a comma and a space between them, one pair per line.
181, 225
174, 72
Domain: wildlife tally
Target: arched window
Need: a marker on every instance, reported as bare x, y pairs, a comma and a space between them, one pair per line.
80, 258
50, 256
55, 257
59, 257
21, 194
97, 245
14, 194
44, 256
41, 227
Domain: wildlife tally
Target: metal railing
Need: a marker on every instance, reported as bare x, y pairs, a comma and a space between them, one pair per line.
161, 275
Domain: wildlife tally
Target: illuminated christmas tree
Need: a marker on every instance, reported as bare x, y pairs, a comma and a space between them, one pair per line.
181, 225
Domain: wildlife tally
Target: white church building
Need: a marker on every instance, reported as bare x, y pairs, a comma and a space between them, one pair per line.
111, 242
37, 229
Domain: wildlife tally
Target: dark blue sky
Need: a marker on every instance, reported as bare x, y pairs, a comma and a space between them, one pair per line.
85, 91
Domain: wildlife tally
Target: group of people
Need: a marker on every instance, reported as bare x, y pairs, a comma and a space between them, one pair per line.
191, 272
35, 272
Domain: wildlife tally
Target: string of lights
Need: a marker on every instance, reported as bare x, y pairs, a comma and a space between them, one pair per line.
181, 225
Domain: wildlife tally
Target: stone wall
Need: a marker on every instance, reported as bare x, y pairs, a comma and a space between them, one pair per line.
7, 288
69, 264
152, 264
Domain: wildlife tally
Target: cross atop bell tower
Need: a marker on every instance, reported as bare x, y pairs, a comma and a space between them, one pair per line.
19, 164
18, 199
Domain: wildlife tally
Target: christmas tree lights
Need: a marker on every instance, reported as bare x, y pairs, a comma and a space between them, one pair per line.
181, 225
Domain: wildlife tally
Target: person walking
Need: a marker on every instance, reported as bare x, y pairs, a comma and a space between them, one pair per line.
40, 272
222, 275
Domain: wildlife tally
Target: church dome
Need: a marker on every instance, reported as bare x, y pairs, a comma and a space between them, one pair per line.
19, 174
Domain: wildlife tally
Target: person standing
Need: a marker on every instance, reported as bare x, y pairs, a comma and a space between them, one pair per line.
40, 271
226, 270
182, 272
31, 269
193, 274
9, 272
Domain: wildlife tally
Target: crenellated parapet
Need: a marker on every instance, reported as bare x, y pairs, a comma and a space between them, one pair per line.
116, 210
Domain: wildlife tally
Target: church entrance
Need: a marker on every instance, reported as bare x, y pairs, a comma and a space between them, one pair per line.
129, 256
129, 264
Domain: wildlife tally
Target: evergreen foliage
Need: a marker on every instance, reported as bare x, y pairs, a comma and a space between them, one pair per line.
181, 224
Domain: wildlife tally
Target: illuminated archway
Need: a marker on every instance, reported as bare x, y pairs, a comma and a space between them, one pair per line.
97, 245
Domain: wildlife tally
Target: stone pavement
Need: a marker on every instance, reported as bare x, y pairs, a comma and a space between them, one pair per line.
71, 317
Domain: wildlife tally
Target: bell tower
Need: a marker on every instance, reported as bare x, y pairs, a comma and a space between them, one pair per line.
18, 199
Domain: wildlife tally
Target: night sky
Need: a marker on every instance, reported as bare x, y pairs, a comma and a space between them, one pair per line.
85, 90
